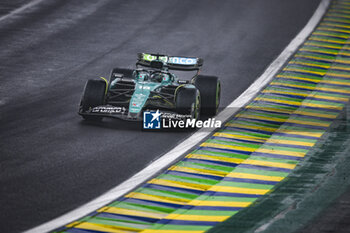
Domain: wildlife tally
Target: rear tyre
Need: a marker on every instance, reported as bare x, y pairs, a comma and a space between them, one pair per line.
94, 95
210, 91
188, 102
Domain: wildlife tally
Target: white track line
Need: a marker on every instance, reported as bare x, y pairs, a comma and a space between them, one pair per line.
193, 140
19, 10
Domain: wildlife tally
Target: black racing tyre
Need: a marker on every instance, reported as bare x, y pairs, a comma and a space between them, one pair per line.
94, 95
188, 102
210, 91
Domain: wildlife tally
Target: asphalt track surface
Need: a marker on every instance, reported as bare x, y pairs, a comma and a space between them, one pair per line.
335, 218
8, 6
50, 160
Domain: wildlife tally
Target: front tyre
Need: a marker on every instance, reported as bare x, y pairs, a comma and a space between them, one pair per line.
210, 91
94, 95
188, 102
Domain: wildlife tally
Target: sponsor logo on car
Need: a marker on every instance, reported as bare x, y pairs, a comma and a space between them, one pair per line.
108, 109
182, 60
172, 60
149, 57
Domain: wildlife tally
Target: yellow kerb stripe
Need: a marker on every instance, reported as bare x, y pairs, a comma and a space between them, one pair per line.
301, 122
302, 133
197, 217
239, 190
222, 146
262, 107
318, 45
333, 29
150, 197
327, 40
297, 111
214, 158
105, 228
339, 75
251, 116
269, 129
140, 213
305, 71
312, 94
310, 64
233, 135
269, 164
169, 231
254, 176
219, 203
312, 88
328, 34
306, 113
335, 24
180, 184
281, 152
344, 83
290, 142
198, 171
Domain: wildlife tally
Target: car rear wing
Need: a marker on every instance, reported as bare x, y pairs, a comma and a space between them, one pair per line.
172, 62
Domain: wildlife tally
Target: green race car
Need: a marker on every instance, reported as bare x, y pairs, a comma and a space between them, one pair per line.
150, 87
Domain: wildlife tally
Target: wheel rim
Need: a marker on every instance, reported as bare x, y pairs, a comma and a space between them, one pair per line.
196, 108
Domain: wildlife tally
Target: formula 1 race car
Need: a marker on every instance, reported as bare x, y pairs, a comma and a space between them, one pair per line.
151, 86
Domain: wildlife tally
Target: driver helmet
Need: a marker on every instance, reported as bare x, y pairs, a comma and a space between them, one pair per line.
157, 77
166, 78
140, 75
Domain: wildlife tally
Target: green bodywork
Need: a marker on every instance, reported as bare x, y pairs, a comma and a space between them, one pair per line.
141, 94
146, 88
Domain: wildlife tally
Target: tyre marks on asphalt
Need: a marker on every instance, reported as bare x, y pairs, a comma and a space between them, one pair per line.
255, 150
